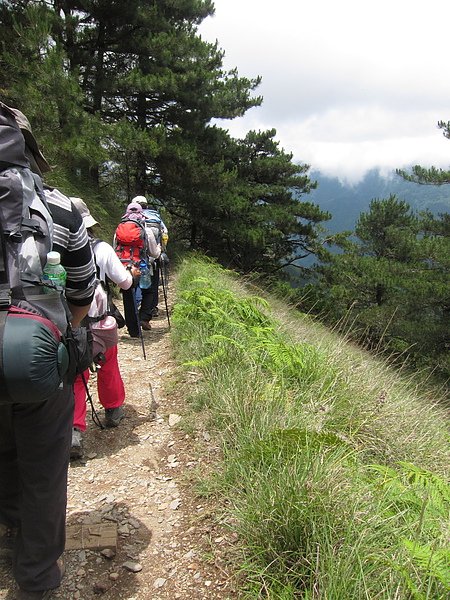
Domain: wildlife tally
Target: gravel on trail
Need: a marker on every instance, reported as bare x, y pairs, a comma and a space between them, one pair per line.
138, 478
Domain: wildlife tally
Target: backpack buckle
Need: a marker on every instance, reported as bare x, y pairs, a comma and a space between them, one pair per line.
5, 297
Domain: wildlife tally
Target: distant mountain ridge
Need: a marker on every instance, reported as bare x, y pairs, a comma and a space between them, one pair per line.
346, 202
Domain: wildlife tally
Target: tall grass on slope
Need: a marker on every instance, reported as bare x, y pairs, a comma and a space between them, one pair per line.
326, 505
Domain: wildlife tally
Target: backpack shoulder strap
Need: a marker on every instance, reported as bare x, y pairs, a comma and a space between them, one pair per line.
5, 292
106, 284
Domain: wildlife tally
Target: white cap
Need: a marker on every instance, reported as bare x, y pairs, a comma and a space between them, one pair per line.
142, 200
53, 258
84, 211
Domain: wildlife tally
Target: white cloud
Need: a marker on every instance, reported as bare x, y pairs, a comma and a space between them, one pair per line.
348, 85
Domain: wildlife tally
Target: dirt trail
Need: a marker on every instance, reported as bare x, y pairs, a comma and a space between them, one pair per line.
137, 476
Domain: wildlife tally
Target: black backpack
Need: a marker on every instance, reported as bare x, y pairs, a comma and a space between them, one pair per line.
33, 318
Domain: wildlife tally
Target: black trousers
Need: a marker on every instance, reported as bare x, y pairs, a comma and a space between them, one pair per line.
129, 309
35, 443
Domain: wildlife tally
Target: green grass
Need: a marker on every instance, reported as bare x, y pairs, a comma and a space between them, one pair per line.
333, 466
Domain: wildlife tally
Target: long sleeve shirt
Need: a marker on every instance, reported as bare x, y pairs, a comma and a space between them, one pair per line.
71, 240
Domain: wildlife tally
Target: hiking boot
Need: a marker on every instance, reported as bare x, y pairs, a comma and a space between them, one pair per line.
41, 595
155, 312
113, 416
146, 325
76, 449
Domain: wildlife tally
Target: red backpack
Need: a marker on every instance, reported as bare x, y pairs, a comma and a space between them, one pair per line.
129, 241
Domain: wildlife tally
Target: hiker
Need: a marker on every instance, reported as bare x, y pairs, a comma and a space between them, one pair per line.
110, 387
35, 435
136, 319
156, 224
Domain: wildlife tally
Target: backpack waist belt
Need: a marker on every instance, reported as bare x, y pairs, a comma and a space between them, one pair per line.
89, 320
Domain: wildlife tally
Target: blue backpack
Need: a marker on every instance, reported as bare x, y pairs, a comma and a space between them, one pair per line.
153, 221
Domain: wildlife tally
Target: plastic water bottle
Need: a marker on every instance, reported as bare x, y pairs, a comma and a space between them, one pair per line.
145, 280
54, 272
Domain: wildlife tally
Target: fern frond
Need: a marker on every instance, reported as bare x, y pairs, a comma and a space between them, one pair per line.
430, 482
430, 561
207, 360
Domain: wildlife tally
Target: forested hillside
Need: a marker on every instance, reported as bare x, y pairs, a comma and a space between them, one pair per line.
388, 284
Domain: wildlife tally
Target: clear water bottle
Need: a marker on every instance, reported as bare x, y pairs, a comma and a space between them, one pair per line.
54, 272
145, 280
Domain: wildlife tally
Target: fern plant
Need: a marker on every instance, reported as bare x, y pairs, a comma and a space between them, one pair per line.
421, 499
245, 328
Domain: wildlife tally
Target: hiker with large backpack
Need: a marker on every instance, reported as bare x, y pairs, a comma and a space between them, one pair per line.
156, 225
134, 244
36, 398
110, 386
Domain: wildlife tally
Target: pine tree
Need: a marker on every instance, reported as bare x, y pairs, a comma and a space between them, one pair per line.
391, 282
35, 78
240, 199
143, 67
432, 175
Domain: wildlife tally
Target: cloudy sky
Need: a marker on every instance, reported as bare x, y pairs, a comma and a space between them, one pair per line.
348, 84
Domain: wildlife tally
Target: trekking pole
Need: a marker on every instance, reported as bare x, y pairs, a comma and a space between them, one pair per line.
167, 276
163, 282
94, 414
136, 312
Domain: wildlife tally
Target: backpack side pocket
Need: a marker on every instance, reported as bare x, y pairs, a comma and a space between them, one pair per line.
79, 344
35, 361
